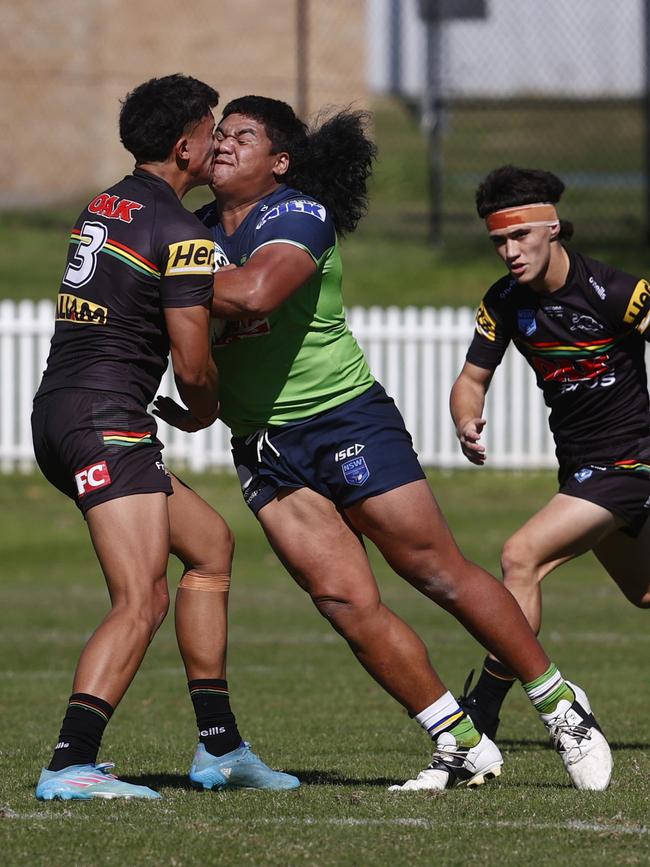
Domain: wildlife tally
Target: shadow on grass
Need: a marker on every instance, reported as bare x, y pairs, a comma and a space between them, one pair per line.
307, 777
537, 745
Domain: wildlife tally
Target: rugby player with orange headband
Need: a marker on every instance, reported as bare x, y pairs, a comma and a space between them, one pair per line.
582, 327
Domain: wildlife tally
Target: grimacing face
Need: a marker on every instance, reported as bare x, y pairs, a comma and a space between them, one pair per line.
526, 251
243, 158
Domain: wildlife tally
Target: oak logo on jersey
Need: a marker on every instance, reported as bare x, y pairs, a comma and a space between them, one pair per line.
70, 308
639, 303
114, 208
297, 206
485, 325
190, 257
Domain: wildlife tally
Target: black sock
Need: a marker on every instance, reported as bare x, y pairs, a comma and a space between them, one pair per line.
216, 722
81, 731
493, 684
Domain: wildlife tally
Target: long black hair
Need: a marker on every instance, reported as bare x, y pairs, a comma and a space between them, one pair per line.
510, 185
331, 161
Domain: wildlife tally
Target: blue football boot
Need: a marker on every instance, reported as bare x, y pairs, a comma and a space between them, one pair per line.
82, 782
239, 769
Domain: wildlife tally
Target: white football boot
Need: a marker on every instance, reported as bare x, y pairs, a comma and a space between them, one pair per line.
454, 765
577, 737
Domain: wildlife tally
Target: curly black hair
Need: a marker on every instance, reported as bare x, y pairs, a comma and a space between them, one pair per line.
156, 114
510, 185
331, 161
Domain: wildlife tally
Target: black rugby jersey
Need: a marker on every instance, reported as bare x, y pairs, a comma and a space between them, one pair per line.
134, 250
585, 343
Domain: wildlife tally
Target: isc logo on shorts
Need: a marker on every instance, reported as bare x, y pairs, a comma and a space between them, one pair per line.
92, 477
349, 452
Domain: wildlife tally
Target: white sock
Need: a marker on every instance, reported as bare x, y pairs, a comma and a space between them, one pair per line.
439, 715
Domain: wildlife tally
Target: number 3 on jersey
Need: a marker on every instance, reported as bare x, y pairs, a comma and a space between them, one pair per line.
91, 239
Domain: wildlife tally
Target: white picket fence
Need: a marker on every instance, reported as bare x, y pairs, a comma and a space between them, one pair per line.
415, 353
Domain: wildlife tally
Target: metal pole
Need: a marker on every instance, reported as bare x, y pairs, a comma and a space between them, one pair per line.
395, 47
432, 119
646, 102
302, 58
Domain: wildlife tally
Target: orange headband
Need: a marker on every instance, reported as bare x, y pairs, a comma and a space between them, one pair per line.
543, 214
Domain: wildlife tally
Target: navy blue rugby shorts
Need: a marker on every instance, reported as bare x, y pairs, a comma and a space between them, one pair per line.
96, 446
356, 450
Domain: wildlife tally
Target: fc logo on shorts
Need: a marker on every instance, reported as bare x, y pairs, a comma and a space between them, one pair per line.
356, 471
92, 477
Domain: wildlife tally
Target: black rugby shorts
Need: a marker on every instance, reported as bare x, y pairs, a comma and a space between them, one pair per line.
623, 488
96, 446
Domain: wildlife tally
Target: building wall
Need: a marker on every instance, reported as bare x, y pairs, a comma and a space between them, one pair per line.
65, 64
576, 48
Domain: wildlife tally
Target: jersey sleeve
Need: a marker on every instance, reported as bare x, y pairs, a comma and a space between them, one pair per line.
629, 300
186, 263
491, 334
302, 222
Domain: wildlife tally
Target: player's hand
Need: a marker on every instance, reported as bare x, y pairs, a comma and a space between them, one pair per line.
469, 436
179, 417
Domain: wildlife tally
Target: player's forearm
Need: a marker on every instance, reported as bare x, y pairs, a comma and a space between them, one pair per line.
198, 390
466, 401
237, 295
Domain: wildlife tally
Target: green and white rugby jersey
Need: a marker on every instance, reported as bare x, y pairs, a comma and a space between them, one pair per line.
302, 359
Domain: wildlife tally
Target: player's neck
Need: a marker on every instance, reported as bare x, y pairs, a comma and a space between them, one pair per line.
556, 273
180, 181
234, 207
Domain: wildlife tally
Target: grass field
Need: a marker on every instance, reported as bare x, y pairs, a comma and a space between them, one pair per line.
306, 706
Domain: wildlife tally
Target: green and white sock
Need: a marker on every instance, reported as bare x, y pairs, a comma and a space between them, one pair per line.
548, 690
445, 715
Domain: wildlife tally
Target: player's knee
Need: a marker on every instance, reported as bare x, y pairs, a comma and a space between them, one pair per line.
343, 612
144, 611
442, 587
518, 562
206, 579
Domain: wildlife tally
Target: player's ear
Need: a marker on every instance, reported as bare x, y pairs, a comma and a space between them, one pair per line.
555, 232
281, 164
182, 148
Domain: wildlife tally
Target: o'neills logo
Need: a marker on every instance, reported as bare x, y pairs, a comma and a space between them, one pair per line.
69, 308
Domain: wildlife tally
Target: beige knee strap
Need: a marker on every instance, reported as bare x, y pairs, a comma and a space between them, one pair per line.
193, 579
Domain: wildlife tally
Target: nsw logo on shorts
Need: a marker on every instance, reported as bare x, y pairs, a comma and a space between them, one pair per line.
583, 474
91, 478
356, 471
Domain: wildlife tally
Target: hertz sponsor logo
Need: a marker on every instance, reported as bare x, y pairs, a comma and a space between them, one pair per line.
485, 325
190, 257
70, 308
638, 304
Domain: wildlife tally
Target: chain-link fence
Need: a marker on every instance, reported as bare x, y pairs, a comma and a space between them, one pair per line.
555, 85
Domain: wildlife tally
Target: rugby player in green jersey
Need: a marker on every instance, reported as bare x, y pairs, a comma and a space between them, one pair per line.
582, 326
321, 450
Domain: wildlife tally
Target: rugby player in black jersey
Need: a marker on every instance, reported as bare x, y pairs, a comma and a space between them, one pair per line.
137, 287
582, 326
